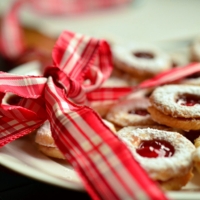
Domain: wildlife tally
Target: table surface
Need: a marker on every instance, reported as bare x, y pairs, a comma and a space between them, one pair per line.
14, 186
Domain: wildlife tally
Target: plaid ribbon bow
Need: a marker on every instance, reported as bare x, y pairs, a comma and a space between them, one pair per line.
61, 96
87, 143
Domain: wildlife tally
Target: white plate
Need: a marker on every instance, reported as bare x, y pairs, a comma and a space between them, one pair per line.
23, 157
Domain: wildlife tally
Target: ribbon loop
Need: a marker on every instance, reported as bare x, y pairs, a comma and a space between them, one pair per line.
91, 147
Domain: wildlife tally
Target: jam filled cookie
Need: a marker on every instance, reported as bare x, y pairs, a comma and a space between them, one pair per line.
176, 106
141, 61
46, 144
130, 112
165, 155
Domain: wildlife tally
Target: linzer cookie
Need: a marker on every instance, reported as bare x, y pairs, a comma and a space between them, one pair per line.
130, 112
45, 142
176, 106
165, 155
141, 61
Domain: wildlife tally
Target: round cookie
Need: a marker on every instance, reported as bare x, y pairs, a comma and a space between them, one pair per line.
141, 61
165, 155
176, 106
129, 112
46, 144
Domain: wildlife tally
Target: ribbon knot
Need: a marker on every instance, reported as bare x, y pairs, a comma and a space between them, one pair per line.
76, 92
80, 65
73, 88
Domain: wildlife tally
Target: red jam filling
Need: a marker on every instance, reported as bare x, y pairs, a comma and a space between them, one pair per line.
142, 112
145, 55
188, 100
155, 148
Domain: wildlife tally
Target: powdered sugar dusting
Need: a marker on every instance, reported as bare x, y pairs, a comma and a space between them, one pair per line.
196, 154
164, 98
121, 114
160, 62
45, 129
44, 135
160, 168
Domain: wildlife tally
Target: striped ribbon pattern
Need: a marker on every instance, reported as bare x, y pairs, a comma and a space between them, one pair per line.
61, 97
171, 75
87, 143
92, 149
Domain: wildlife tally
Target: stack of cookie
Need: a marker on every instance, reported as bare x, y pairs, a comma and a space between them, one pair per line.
152, 122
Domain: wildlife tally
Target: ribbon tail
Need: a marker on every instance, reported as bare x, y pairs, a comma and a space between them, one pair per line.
170, 76
102, 94
12, 129
95, 152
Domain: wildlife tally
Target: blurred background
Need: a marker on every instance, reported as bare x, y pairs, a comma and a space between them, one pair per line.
165, 22
126, 20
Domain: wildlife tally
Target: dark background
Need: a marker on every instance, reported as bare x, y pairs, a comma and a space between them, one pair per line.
14, 186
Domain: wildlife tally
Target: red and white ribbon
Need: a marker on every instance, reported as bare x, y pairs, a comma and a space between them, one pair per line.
61, 96
87, 143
